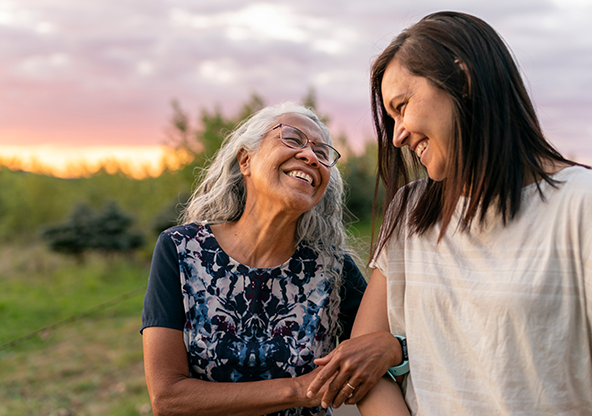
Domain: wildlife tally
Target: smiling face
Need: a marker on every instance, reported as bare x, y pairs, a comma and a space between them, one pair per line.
423, 116
278, 177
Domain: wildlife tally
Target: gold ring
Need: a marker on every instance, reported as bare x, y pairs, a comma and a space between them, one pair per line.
349, 385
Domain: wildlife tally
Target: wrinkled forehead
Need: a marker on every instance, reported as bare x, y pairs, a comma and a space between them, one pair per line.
304, 124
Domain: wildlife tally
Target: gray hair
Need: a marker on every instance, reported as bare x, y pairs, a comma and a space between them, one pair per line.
221, 194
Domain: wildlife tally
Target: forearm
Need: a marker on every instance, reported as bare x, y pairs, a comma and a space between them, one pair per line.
189, 396
385, 399
365, 358
173, 392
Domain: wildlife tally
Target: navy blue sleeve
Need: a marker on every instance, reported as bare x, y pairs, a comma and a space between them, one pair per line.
353, 289
163, 303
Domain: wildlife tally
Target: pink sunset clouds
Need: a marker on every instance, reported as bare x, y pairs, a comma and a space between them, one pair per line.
103, 72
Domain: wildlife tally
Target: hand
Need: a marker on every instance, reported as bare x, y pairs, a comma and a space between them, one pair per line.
302, 383
354, 367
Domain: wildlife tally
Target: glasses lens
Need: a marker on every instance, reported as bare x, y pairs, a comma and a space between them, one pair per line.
325, 153
293, 138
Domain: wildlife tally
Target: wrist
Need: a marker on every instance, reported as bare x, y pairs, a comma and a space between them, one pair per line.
295, 392
402, 366
290, 392
396, 351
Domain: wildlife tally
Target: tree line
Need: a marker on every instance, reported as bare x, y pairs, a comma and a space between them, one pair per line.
113, 213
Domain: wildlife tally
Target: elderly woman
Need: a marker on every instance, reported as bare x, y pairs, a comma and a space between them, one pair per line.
257, 282
485, 263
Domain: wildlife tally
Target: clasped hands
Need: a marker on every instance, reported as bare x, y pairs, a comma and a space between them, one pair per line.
353, 368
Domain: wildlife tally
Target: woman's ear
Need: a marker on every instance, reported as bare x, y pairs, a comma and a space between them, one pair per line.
244, 159
467, 87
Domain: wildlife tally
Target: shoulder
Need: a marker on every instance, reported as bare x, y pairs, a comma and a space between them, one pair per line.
352, 276
349, 265
407, 196
566, 202
413, 189
185, 230
576, 176
182, 234
574, 184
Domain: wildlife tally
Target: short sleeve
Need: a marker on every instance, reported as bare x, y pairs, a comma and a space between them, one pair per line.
380, 260
163, 303
354, 286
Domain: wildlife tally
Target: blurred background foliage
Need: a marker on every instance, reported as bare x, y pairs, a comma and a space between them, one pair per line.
29, 202
70, 245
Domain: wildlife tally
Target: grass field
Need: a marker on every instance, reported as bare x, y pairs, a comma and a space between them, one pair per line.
92, 364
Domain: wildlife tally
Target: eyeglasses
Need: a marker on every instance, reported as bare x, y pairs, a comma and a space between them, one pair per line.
296, 139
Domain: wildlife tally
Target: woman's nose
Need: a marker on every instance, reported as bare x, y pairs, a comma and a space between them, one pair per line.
308, 155
399, 135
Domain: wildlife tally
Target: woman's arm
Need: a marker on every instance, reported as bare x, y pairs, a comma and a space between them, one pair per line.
384, 398
364, 359
172, 392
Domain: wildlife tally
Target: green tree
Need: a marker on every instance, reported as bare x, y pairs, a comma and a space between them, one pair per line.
198, 142
107, 231
203, 138
310, 101
359, 173
112, 231
74, 235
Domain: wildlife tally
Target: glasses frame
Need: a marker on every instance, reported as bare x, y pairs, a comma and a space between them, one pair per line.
312, 144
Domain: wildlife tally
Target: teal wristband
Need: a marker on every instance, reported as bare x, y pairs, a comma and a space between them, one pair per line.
402, 368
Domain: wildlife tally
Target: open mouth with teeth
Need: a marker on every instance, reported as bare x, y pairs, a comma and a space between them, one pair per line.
421, 147
301, 175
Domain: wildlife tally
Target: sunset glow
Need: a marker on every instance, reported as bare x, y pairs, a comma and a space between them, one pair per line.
72, 162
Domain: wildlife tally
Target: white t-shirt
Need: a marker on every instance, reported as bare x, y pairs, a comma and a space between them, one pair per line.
498, 320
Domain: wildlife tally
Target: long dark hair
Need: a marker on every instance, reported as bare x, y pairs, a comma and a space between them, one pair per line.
497, 140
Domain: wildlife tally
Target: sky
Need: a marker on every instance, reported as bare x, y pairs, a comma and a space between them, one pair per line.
102, 73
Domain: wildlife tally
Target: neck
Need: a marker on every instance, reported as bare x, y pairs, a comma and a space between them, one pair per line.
258, 242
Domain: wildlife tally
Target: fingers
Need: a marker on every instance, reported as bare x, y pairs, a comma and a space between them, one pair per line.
324, 360
324, 375
360, 362
346, 391
359, 393
343, 387
361, 376
349, 393
334, 379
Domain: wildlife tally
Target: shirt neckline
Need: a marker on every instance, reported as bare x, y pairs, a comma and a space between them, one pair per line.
238, 263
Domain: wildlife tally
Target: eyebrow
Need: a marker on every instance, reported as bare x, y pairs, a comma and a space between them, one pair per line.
321, 137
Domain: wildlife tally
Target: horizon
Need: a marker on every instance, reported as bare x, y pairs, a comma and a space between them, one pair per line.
66, 162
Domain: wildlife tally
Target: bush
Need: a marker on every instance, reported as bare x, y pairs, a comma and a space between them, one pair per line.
87, 229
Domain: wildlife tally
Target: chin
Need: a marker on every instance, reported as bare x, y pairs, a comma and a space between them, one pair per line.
301, 206
436, 178
437, 175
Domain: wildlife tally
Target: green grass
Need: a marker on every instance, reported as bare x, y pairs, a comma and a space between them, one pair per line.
88, 366
91, 367
39, 288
